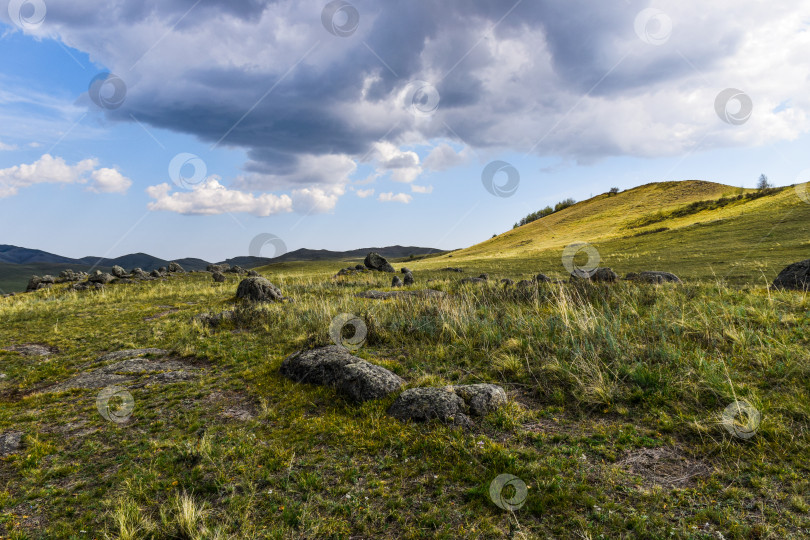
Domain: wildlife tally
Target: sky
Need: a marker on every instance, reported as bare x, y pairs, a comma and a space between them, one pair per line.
187, 128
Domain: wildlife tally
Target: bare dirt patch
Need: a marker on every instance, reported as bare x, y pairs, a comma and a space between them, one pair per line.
134, 370
664, 466
33, 349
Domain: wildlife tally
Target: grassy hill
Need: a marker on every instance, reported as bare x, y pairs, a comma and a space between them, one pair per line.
617, 417
658, 227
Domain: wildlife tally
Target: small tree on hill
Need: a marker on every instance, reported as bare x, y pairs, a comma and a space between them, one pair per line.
763, 183
613, 191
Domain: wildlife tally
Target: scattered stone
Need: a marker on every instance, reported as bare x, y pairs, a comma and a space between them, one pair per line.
69, 275
36, 283
507, 282
138, 273
542, 278
473, 280
423, 404
118, 272
359, 267
481, 398
408, 279
375, 261
653, 277
10, 443
380, 295
485, 277
253, 273
450, 269
794, 277
214, 320
163, 270
396, 282
218, 277
218, 267
175, 268
156, 274
405, 270
259, 289
236, 270
525, 283
335, 366
346, 272
599, 275
102, 278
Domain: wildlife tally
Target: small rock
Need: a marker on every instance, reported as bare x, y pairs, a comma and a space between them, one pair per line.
405, 270
599, 275
175, 268
485, 277
118, 272
408, 279
258, 289
542, 278
236, 269
163, 270
364, 381
473, 280
481, 398
423, 404
156, 274
218, 277
507, 282
396, 282
10, 443
253, 273
139, 274
359, 267
450, 269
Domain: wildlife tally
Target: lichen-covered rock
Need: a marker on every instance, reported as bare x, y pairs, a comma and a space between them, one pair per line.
423, 404
795, 276
118, 271
408, 279
218, 277
481, 398
364, 381
259, 289
253, 273
405, 270
396, 282
375, 261
236, 269
175, 268
542, 278
10, 443
138, 273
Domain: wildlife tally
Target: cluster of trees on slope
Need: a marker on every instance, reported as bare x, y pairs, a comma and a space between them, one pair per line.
534, 216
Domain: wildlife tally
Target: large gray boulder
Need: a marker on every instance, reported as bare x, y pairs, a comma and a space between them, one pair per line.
118, 271
423, 404
794, 277
408, 278
335, 366
375, 261
259, 289
218, 277
138, 273
652, 276
36, 283
175, 268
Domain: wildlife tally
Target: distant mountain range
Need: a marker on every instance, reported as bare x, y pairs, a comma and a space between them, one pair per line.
17, 264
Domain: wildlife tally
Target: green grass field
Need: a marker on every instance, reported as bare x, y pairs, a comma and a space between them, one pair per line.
615, 413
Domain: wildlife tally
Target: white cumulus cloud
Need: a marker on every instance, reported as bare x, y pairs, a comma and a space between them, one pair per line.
54, 170
399, 197
212, 198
